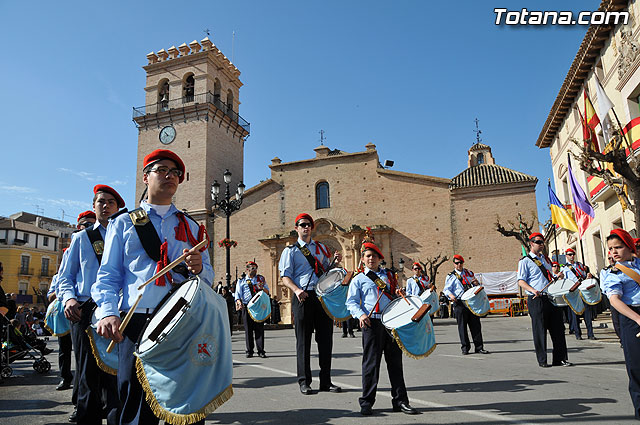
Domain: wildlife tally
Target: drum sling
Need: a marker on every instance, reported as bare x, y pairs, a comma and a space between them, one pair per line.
97, 243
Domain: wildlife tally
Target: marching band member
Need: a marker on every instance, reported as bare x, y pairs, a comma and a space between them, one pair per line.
157, 228
534, 274
575, 271
246, 288
300, 266
361, 300
76, 278
458, 281
418, 283
622, 286
615, 316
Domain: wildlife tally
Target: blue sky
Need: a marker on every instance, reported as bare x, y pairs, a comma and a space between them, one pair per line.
409, 76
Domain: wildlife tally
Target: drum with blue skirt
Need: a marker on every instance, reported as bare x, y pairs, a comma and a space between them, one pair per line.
415, 339
333, 294
108, 362
431, 297
590, 291
184, 361
55, 321
259, 307
476, 300
560, 295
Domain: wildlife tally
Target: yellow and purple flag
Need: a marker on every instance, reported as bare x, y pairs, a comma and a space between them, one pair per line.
583, 210
559, 215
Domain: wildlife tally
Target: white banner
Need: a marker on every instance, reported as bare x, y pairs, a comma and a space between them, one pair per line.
499, 283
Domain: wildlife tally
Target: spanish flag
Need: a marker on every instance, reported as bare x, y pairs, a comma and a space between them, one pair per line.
559, 215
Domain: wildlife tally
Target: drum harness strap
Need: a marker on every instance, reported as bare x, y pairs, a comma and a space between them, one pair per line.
96, 242
577, 273
422, 287
252, 288
543, 269
316, 265
629, 272
381, 284
465, 285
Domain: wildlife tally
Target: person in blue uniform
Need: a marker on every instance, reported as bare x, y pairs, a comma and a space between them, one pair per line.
77, 275
300, 266
615, 316
576, 271
246, 288
622, 286
534, 275
127, 264
419, 282
361, 302
457, 282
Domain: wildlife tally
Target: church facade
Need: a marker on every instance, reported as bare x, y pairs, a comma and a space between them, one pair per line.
192, 102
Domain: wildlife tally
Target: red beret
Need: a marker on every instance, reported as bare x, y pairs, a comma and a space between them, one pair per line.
636, 241
416, 264
372, 247
251, 263
569, 251
159, 155
625, 237
304, 215
533, 236
86, 214
555, 263
458, 257
104, 188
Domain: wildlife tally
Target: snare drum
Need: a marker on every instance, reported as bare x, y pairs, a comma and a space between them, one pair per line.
476, 300
333, 295
184, 359
560, 296
415, 339
590, 291
430, 297
54, 320
108, 362
259, 308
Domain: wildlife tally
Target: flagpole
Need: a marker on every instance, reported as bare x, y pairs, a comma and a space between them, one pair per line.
582, 251
614, 114
555, 237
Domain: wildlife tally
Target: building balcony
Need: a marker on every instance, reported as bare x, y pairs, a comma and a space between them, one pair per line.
174, 108
25, 271
45, 273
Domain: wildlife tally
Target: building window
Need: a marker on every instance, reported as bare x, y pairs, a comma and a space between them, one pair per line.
322, 195
480, 158
23, 288
45, 267
45, 241
163, 95
217, 88
188, 88
24, 264
229, 101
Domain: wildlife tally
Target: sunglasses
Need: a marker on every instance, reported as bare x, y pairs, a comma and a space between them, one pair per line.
538, 242
305, 225
458, 262
417, 268
570, 255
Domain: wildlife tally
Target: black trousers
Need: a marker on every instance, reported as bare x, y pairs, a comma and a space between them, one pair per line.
97, 393
631, 349
466, 318
251, 329
348, 326
65, 347
135, 409
376, 341
574, 321
615, 318
309, 316
547, 317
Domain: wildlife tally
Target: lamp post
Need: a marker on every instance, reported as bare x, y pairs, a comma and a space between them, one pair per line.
227, 205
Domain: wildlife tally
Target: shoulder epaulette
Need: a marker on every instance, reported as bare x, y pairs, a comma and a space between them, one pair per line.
614, 270
124, 210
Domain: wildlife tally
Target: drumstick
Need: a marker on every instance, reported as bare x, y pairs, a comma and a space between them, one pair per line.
376, 304
158, 275
404, 298
548, 284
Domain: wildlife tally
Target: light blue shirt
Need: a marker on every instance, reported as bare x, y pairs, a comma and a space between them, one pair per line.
413, 288
622, 285
294, 265
578, 267
243, 293
53, 286
78, 273
603, 275
126, 265
453, 286
363, 293
531, 273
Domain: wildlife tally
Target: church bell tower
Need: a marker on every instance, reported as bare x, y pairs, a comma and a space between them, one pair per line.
191, 108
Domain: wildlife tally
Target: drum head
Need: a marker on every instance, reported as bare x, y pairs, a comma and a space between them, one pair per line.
587, 283
330, 281
398, 313
187, 291
469, 293
255, 298
560, 287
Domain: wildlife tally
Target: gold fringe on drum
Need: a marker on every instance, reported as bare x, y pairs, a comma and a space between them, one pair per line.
564, 297
258, 321
174, 418
474, 313
326, 310
94, 349
406, 352
51, 330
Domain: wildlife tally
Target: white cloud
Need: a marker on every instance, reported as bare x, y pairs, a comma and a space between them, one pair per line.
18, 189
118, 183
82, 174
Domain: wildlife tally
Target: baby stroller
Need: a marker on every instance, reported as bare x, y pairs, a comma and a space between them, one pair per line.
17, 346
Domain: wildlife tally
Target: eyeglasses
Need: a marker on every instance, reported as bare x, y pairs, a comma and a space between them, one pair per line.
458, 262
166, 171
417, 268
305, 224
538, 242
570, 254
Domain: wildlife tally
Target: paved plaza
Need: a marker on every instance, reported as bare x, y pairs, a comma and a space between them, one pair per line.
506, 386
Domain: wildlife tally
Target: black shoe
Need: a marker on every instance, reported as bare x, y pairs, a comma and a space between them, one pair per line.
545, 364
563, 363
249, 355
46, 351
344, 335
465, 352
405, 408
332, 389
482, 351
592, 337
305, 389
263, 355
352, 335
366, 411
579, 338
63, 385
73, 417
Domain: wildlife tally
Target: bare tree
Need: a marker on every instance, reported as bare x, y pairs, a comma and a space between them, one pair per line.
520, 230
431, 266
626, 167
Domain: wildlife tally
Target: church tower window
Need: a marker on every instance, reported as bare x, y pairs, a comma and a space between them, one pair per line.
163, 95
230, 100
480, 158
322, 195
217, 88
188, 88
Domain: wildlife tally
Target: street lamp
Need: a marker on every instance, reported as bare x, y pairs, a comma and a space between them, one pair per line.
227, 206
